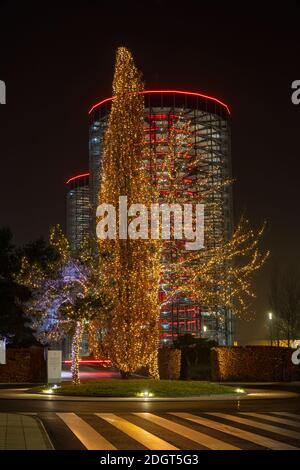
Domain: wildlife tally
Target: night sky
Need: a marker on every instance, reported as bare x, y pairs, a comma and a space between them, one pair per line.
58, 60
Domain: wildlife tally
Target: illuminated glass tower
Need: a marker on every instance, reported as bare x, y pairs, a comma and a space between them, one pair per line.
78, 226
209, 126
78, 209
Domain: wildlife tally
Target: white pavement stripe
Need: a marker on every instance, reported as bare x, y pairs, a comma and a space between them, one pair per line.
256, 424
289, 415
90, 438
150, 441
188, 433
274, 419
234, 431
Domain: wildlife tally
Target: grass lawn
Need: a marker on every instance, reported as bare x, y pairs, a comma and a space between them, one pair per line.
135, 388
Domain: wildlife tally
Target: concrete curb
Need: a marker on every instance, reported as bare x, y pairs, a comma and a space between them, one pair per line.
13, 394
43, 430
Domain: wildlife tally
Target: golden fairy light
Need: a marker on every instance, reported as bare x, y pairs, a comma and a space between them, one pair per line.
133, 270
220, 275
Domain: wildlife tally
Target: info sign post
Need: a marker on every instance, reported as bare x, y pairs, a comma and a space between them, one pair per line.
2, 352
54, 359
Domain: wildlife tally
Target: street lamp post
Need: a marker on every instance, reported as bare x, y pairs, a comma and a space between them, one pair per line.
270, 316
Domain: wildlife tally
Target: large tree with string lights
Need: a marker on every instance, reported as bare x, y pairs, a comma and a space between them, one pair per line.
219, 275
133, 268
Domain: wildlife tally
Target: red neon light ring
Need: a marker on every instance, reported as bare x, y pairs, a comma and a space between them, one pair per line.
178, 92
82, 175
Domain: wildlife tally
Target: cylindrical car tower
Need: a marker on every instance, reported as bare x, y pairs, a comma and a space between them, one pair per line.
209, 127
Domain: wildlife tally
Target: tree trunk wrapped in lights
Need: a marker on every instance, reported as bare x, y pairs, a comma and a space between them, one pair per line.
75, 352
134, 267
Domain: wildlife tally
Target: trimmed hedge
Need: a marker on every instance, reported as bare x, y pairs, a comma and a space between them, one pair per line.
169, 363
24, 365
253, 363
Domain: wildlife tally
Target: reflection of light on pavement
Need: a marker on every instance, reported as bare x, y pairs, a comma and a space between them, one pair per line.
89, 373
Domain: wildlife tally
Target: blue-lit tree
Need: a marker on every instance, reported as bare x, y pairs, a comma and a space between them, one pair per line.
65, 296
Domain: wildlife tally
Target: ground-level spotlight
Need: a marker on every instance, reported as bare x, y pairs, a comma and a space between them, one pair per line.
145, 394
51, 389
55, 387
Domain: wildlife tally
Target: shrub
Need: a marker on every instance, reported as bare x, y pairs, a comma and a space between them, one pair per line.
253, 363
24, 365
195, 357
169, 360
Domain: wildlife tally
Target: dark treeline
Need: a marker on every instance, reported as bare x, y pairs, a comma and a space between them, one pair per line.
14, 326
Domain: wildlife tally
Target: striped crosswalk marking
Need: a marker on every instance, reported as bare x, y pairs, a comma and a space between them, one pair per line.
237, 432
191, 434
222, 426
150, 441
256, 424
274, 419
89, 437
288, 415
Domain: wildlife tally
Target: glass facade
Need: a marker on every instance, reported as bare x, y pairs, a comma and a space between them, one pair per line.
209, 128
96, 135
78, 209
